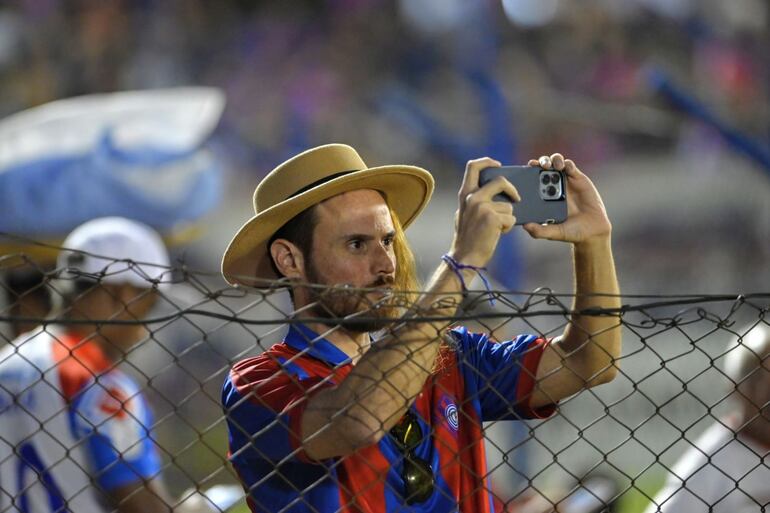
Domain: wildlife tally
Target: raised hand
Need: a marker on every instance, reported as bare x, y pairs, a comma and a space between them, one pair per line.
480, 220
586, 216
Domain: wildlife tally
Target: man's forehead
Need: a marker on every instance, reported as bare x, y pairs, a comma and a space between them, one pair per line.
360, 205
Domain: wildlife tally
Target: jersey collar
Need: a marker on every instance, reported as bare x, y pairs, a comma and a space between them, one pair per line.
302, 338
86, 353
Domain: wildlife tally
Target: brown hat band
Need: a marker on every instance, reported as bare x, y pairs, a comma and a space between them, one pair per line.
322, 181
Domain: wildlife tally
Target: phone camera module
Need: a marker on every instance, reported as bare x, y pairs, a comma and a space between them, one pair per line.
551, 185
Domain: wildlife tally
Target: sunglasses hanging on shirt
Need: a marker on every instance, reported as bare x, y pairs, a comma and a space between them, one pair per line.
419, 481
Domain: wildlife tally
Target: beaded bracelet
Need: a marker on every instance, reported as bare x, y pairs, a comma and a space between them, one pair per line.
457, 267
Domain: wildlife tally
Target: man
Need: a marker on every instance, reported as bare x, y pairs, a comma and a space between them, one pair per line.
74, 429
328, 421
726, 469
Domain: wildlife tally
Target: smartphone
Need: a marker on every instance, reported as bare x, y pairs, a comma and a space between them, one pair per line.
543, 192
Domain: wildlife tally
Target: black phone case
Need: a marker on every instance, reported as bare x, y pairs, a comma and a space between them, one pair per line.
532, 208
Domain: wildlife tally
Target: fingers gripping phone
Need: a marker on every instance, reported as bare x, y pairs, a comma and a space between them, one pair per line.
543, 192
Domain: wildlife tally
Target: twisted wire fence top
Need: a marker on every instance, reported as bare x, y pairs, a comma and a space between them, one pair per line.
675, 411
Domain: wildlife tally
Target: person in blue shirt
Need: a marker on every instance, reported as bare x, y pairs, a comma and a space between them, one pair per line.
329, 421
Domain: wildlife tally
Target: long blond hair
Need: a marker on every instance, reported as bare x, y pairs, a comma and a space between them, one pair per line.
409, 285
406, 280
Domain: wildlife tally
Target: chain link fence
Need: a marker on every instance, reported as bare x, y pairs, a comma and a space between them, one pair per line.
157, 406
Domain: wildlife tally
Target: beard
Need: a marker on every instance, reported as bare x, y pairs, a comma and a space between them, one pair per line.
353, 309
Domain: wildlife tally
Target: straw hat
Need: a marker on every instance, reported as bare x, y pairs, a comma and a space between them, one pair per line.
306, 180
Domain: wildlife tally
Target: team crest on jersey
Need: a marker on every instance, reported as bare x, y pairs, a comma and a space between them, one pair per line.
451, 416
449, 410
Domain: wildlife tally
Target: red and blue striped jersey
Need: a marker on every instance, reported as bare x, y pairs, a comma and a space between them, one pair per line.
264, 397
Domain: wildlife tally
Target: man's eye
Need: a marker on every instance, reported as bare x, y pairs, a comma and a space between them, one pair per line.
356, 244
388, 241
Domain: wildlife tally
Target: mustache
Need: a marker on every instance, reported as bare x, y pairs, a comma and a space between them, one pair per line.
382, 282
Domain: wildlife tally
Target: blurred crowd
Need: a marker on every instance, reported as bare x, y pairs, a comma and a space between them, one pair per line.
421, 80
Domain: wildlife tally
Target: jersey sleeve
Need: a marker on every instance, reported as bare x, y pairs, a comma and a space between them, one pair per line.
501, 375
263, 405
113, 419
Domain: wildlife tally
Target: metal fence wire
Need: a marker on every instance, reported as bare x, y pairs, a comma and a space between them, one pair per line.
113, 399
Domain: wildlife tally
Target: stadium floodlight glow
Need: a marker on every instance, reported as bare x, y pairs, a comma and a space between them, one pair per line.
530, 13
436, 16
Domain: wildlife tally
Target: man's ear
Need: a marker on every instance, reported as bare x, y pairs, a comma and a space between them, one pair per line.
288, 259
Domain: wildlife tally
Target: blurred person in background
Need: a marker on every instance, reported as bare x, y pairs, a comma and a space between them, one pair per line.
726, 469
328, 420
74, 429
28, 298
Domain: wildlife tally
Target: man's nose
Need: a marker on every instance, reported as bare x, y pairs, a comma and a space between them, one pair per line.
384, 261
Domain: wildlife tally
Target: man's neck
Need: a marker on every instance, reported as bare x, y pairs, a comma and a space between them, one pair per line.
353, 344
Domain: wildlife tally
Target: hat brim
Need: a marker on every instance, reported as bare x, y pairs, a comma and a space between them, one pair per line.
246, 261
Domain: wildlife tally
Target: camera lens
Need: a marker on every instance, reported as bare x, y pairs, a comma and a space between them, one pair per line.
545, 179
551, 191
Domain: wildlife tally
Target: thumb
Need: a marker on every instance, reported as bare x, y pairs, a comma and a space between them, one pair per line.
544, 231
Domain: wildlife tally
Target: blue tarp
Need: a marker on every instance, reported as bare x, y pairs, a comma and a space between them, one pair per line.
51, 196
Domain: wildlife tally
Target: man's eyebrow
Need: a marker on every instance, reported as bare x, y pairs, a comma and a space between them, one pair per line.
361, 236
366, 236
